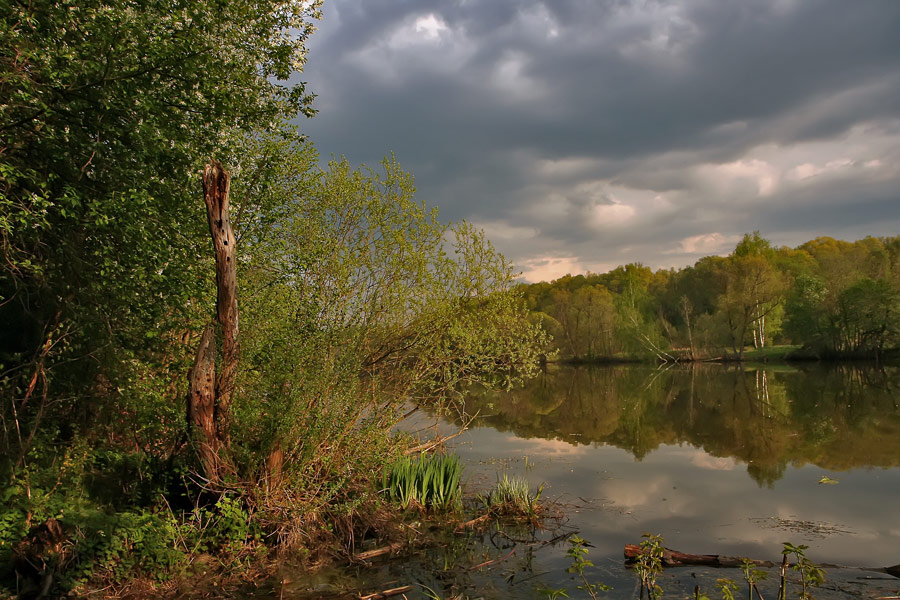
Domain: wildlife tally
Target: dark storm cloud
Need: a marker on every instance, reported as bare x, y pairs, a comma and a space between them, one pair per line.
605, 132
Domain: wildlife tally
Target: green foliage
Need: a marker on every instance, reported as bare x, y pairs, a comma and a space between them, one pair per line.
835, 298
122, 545
552, 593
512, 496
225, 529
97, 544
727, 587
649, 564
355, 297
428, 481
578, 553
810, 574
752, 576
109, 109
360, 299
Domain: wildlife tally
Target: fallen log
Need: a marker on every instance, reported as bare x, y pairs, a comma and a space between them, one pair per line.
674, 558
432, 444
488, 563
378, 551
387, 593
473, 523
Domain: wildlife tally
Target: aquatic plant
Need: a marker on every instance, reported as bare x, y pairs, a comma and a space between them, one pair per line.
649, 565
810, 574
429, 480
578, 553
752, 576
727, 587
512, 496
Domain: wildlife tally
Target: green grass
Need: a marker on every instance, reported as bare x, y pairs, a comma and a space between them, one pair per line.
428, 481
771, 353
513, 497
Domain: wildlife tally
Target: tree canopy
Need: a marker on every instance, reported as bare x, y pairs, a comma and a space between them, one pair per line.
356, 299
831, 297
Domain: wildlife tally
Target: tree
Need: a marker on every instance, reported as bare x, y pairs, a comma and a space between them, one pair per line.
586, 321
753, 289
636, 314
357, 300
107, 111
868, 316
847, 301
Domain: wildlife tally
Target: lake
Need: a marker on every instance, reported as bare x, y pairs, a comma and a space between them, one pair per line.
718, 459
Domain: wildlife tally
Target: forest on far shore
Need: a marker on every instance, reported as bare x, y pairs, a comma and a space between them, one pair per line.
829, 298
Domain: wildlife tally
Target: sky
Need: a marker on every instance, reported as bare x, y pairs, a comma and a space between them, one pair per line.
586, 134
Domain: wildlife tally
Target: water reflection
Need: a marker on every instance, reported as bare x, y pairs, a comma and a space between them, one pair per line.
835, 418
633, 449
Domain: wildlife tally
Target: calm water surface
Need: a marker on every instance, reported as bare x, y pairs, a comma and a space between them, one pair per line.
716, 459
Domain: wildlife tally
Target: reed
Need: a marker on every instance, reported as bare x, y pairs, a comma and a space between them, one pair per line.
512, 496
427, 481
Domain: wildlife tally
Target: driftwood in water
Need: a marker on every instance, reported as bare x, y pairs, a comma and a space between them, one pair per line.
378, 551
488, 563
473, 523
431, 444
674, 558
387, 593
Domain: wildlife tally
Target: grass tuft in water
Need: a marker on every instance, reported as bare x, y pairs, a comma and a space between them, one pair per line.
513, 497
429, 481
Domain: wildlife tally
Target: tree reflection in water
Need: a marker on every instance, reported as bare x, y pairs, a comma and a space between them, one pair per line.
836, 417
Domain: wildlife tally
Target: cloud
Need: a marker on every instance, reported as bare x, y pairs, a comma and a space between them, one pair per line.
594, 134
731, 177
705, 244
502, 231
549, 268
431, 26
613, 214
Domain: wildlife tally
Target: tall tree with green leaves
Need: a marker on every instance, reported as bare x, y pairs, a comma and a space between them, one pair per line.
108, 110
357, 301
754, 287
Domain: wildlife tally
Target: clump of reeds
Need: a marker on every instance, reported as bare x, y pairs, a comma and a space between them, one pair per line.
428, 481
513, 497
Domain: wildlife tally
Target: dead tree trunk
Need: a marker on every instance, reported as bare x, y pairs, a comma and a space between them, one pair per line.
202, 404
209, 406
216, 184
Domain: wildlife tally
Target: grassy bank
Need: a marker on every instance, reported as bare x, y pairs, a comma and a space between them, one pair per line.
65, 540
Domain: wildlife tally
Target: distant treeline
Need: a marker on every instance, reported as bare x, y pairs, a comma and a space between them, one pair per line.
829, 297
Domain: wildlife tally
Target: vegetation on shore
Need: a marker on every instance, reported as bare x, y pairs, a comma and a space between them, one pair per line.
354, 299
825, 299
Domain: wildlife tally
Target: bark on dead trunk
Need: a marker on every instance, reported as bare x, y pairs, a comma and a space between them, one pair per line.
209, 406
216, 184
202, 404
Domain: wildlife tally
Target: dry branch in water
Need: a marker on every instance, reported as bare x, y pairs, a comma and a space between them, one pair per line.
674, 558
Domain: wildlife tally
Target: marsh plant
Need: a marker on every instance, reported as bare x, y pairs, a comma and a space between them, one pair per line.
427, 481
752, 575
649, 565
810, 574
578, 553
512, 496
